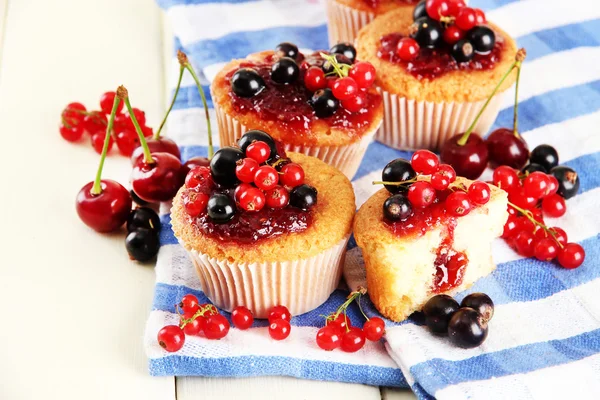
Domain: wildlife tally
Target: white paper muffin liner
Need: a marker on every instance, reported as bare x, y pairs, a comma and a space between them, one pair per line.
345, 158
300, 285
412, 125
343, 22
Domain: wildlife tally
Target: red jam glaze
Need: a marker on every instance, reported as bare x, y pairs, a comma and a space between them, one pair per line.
289, 106
423, 220
450, 264
433, 63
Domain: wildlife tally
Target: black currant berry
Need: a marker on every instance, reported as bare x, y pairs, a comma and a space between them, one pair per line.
397, 170
529, 168
345, 49
481, 303
427, 32
462, 51
327, 67
467, 328
220, 208
137, 199
438, 312
287, 49
246, 82
257, 136
397, 208
420, 10
222, 166
143, 217
568, 181
142, 244
303, 197
482, 38
324, 103
544, 155
285, 71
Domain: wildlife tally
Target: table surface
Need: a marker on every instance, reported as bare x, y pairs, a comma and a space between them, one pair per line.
78, 304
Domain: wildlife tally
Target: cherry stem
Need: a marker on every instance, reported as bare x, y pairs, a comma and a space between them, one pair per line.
147, 155
97, 187
157, 134
529, 215
516, 109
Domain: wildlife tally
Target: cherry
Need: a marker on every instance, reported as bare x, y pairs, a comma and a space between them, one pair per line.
421, 194
407, 49
279, 329
363, 73
278, 197
479, 192
466, 19
72, 133
242, 317
353, 340
571, 256
160, 145
97, 140
506, 178
374, 329
216, 327
507, 148
424, 162
292, 175
159, 179
103, 207
469, 159
195, 162
266, 177
106, 102
246, 168
314, 79
189, 304
329, 338
554, 206
536, 185
524, 243
171, 338
356, 103
279, 312
252, 199
453, 34
458, 204
194, 202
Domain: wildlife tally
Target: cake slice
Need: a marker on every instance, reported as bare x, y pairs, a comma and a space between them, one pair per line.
430, 253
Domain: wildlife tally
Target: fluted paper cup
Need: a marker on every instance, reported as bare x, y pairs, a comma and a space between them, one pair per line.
343, 22
300, 285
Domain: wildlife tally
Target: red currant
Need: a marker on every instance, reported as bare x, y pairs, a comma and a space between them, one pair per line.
279, 329
453, 34
440, 181
278, 197
552, 185
353, 340
189, 304
455, 6
571, 256
98, 142
292, 175
147, 131
560, 235
314, 79
72, 134
448, 171
536, 184
73, 114
245, 169
506, 178
329, 338
363, 73
194, 202
437, 9
242, 317
374, 329
266, 177
424, 162
466, 19
199, 177
524, 242
479, 192
106, 103
356, 103
407, 49
252, 199
545, 249
140, 116
512, 227
193, 327
341, 322
259, 151
520, 199
421, 194
480, 16
216, 327
171, 338
554, 206
458, 204
127, 142
95, 122
241, 188
279, 312
345, 88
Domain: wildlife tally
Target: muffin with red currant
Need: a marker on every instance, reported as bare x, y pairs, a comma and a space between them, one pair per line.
265, 228
320, 104
436, 68
428, 232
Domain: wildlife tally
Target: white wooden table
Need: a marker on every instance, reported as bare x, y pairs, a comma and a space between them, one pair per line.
73, 305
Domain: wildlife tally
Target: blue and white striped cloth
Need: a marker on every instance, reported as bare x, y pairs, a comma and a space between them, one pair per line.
544, 340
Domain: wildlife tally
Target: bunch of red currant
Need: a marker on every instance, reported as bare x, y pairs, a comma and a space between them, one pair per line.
76, 120
339, 332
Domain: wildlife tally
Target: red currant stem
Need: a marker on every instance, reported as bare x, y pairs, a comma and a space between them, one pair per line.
360, 308
516, 109
199, 313
211, 150
529, 216
394, 183
339, 69
97, 188
353, 295
157, 134
147, 156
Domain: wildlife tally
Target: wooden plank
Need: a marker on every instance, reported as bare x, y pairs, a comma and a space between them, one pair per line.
75, 306
397, 394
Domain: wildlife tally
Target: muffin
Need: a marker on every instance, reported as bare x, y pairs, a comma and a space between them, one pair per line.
424, 251
266, 239
433, 89
346, 17
287, 94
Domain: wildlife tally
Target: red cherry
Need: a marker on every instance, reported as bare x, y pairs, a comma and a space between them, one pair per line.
193, 327
554, 206
524, 243
216, 327
506, 178
424, 162
278, 197
127, 142
356, 103
106, 103
279, 312
407, 49
245, 169
458, 204
536, 184
195, 162
279, 329
437, 9
259, 151
73, 114
480, 19
421, 194
189, 304
314, 79
160, 145
95, 122
466, 19
479, 192
72, 134
374, 329
546, 249
252, 199
292, 175
507, 149
363, 73
341, 322
453, 34
266, 177
97, 140
242, 317
520, 199
157, 181
171, 338
353, 340
194, 202
469, 160
329, 338
571, 256
104, 212
345, 88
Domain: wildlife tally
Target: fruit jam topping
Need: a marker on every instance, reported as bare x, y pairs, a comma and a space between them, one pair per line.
432, 63
289, 105
450, 264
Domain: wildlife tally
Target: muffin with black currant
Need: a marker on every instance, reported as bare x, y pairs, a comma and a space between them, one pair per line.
320, 104
435, 69
264, 227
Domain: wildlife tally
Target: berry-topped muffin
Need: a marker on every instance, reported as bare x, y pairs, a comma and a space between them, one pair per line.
265, 228
436, 67
428, 232
320, 104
